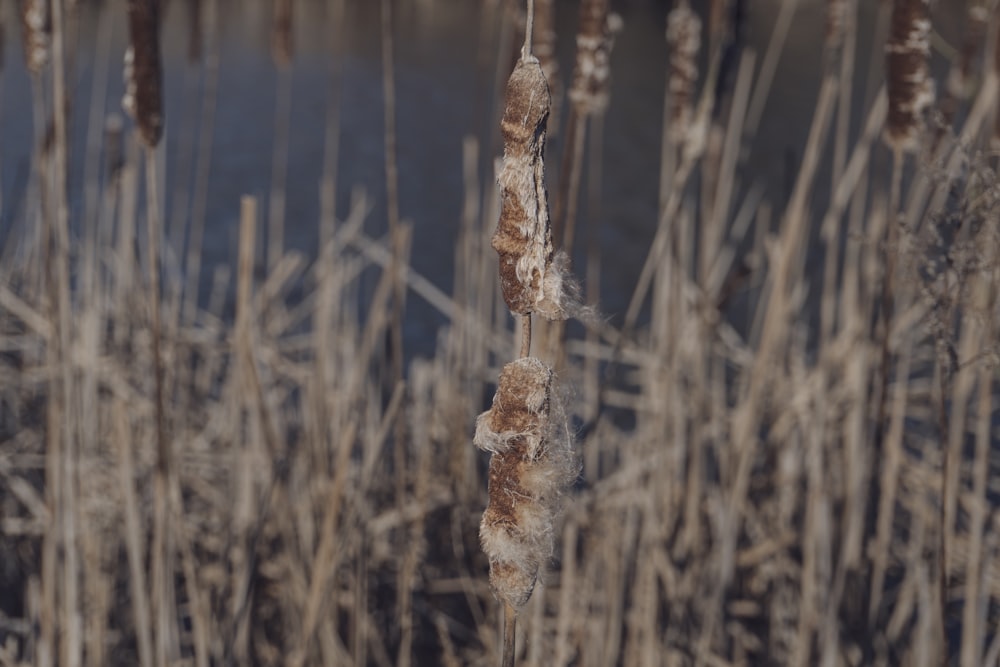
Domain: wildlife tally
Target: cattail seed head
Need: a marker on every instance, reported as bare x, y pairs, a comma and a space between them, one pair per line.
523, 237
544, 48
836, 23
36, 25
684, 41
963, 71
143, 76
911, 90
282, 45
594, 41
532, 464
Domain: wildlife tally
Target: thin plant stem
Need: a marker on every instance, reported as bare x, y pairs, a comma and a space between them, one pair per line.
509, 626
526, 335
528, 26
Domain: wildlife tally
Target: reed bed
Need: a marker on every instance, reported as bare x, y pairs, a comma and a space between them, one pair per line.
778, 467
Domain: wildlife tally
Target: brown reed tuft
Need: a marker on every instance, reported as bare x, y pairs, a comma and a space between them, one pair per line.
143, 99
531, 466
594, 41
911, 90
36, 27
530, 279
684, 41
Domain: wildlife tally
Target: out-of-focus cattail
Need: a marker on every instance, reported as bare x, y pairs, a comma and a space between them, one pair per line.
532, 465
36, 25
594, 41
544, 48
962, 74
911, 90
530, 277
194, 31
684, 41
836, 24
282, 44
143, 99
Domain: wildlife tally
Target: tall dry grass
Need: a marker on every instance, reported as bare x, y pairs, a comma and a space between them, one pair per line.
748, 496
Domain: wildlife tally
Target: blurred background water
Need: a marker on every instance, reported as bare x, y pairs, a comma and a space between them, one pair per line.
445, 63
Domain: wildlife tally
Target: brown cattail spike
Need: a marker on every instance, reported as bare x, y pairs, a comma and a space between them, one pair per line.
282, 45
532, 464
523, 237
544, 48
143, 75
836, 23
36, 25
911, 90
594, 42
684, 41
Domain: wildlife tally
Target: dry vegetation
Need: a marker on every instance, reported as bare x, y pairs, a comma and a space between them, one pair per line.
788, 440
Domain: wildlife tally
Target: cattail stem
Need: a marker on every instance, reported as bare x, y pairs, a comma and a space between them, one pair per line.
525, 334
528, 26
509, 627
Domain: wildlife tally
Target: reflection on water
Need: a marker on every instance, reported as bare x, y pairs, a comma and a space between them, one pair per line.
445, 54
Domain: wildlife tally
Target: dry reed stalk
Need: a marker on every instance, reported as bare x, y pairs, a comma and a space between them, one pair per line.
684, 42
143, 74
36, 29
532, 463
910, 87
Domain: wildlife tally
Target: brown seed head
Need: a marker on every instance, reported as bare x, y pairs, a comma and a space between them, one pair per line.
684, 41
594, 41
143, 98
282, 44
36, 26
523, 237
911, 90
531, 465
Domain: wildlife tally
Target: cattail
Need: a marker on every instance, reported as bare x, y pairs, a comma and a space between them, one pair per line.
836, 24
911, 90
532, 465
282, 45
960, 76
194, 31
684, 41
143, 77
36, 26
530, 277
594, 42
544, 48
